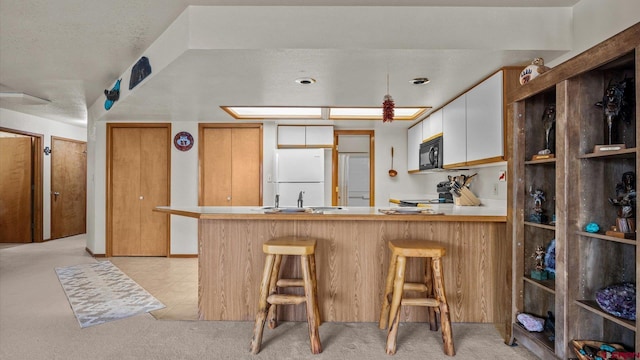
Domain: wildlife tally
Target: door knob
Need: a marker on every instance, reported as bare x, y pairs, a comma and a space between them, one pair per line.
55, 195
228, 198
141, 197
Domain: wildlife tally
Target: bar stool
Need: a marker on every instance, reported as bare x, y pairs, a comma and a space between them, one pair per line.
269, 297
433, 286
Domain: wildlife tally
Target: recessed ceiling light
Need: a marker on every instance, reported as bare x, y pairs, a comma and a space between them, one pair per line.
419, 81
306, 81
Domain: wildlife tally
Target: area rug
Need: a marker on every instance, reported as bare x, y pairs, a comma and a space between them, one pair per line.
99, 292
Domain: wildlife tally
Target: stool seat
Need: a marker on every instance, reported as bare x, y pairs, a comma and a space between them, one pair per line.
289, 245
417, 248
275, 249
433, 286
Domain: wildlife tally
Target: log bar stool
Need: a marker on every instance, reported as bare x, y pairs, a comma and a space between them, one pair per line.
433, 285
269, 298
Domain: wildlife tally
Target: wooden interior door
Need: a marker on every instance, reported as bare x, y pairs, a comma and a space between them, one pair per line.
231, 165
139, 181
15, 190
68, 187
216, 169
246, 148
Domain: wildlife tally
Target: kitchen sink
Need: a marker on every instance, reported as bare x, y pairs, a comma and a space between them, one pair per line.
297, 209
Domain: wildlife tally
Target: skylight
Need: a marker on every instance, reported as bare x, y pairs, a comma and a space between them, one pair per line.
337, 113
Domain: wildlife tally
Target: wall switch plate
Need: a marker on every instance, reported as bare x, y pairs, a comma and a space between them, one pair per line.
494, 191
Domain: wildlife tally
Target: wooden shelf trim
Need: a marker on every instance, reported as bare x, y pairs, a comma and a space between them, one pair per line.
542, 226
541, 162
625, 153
592, 306
607, 238
537, 342
546, 285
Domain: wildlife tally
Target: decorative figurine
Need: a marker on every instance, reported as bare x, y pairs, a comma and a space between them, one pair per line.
626, 202
538, 198
616, 104
548, 123
532, 71
539, 273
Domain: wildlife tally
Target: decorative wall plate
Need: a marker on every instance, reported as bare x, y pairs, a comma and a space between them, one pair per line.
183, 141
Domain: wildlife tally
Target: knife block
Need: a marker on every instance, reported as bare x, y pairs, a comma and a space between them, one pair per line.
466, 198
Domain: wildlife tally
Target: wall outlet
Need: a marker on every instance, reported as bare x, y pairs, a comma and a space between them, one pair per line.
269, 178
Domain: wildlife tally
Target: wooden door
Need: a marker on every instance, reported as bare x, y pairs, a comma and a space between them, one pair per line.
216, 169
245, 166
139, 181
68, 187
15, 190
231, 165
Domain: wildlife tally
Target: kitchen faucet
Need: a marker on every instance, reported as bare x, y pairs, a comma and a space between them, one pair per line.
300, 199
277, 201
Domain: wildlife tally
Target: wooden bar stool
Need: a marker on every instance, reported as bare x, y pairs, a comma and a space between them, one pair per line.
269, 297
433, 286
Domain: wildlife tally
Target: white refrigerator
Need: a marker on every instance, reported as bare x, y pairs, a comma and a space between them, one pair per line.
299, 170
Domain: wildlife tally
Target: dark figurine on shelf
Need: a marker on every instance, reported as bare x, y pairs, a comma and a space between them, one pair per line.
549, 125
550, 326
538, 198
625, 195
616, 104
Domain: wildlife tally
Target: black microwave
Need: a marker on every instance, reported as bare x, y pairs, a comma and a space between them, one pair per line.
431, 154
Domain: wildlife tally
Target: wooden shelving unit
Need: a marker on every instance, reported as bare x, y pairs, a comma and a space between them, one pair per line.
577, 183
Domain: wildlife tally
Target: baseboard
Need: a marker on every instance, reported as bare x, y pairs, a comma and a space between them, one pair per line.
94, 255
183, 255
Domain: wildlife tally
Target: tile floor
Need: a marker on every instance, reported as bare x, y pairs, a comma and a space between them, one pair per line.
173, 281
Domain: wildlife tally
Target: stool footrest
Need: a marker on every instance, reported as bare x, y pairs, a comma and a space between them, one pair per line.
415, 287
286, 299
290, 283
420, 302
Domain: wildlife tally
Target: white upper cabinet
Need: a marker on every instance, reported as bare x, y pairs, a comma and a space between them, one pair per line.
319, 136
432, 125
305, 136
485, 133
454, 128
414, 138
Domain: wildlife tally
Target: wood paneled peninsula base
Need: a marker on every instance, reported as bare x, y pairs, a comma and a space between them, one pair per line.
351, 259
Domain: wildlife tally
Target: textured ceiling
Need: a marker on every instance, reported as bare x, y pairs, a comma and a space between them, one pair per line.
69, 51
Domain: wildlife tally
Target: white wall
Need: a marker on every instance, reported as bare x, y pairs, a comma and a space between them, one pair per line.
33, 124
597, 20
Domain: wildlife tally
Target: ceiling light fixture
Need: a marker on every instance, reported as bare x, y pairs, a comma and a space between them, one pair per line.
387, 105
306, 81
419, 81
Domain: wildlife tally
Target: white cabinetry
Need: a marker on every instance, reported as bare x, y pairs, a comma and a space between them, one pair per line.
454, 126
300, 136
485, 139
432, 125
414, 138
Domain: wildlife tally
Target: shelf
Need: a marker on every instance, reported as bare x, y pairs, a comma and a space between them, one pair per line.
546, 285
536, 342
607, 238
541, 162
542, 226
592, 306
624, 153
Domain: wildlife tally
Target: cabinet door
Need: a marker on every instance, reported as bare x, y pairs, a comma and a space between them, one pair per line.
454, 128
432, 125
319, 136
485, 131
414, 138
292, 135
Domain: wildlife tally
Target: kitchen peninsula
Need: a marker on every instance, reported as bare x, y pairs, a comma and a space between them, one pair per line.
352, 259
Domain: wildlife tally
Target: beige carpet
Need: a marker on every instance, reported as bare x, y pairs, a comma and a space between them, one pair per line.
36, 322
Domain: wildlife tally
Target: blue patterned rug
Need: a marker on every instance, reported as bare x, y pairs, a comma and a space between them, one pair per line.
100, 292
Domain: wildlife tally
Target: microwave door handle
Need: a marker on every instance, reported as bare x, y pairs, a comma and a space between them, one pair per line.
431, 156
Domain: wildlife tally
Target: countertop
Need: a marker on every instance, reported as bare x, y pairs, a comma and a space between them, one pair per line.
443, 212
